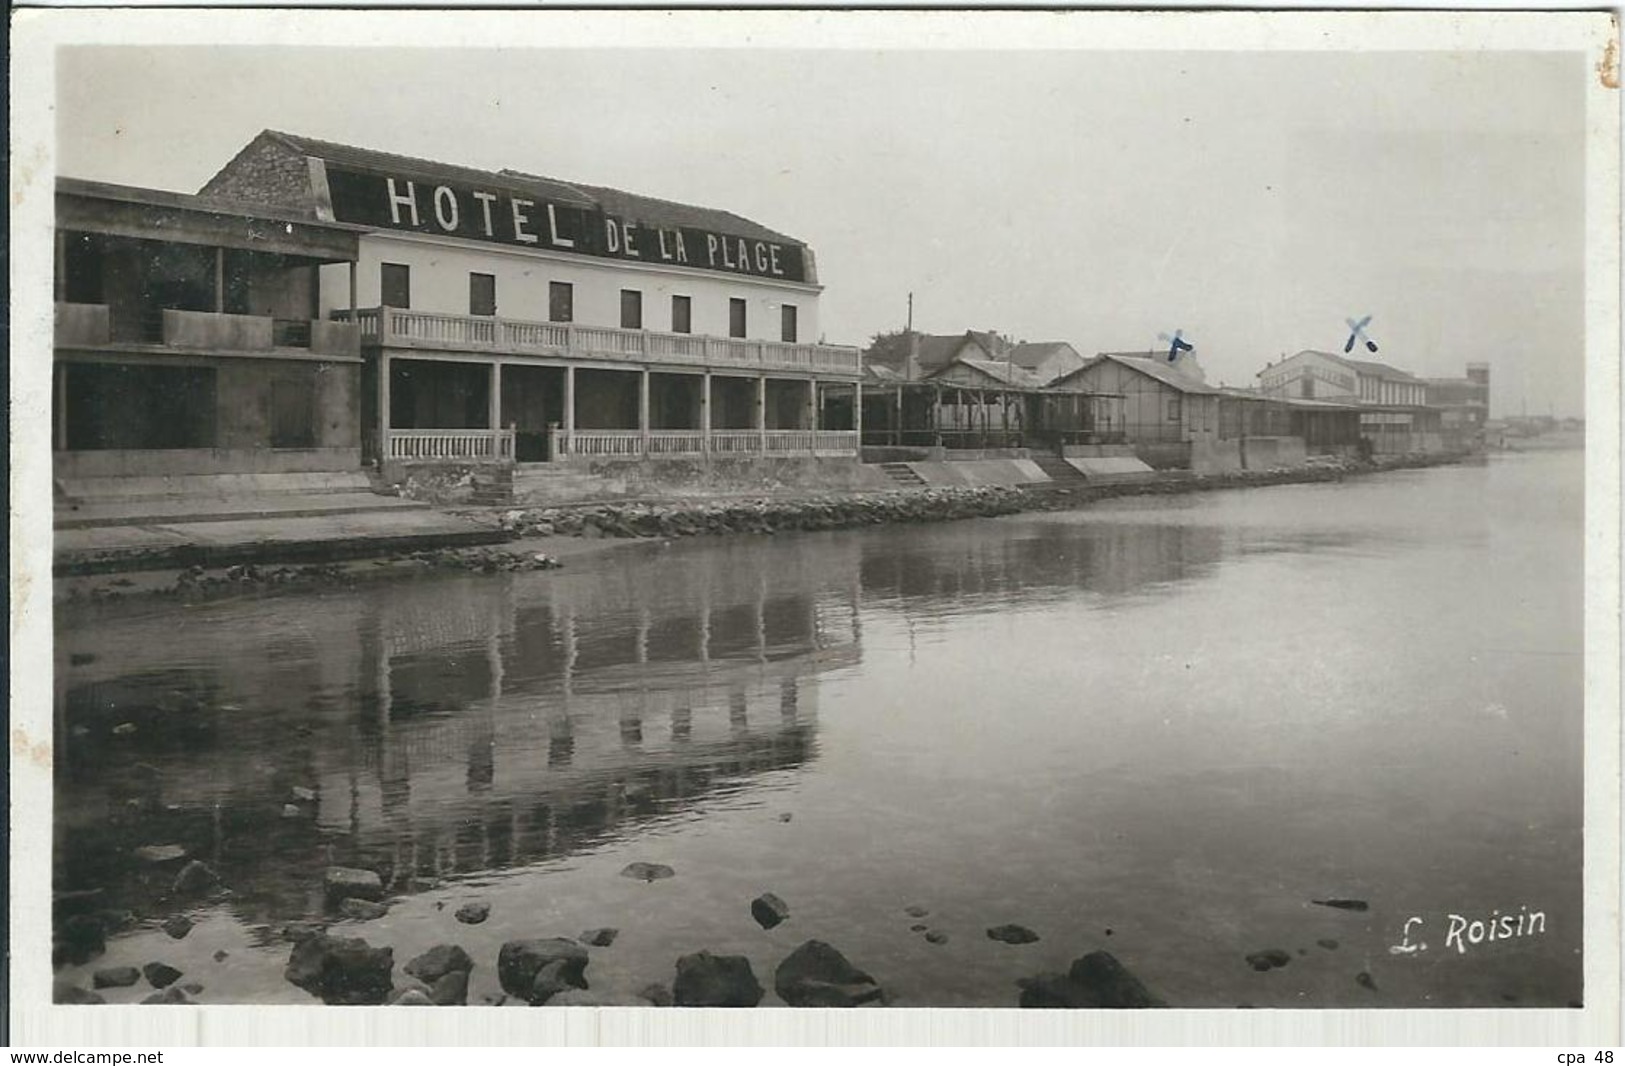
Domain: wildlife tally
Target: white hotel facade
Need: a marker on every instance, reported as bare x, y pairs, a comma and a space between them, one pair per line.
509, 317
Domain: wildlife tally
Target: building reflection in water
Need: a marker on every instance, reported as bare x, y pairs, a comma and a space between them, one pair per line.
465, 724
445, 727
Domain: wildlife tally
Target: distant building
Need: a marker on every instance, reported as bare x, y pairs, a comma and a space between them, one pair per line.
920, 355
1464, 403
1168, 412
1394, 416
1047, 361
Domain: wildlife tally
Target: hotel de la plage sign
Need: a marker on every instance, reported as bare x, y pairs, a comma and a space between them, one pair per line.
503, 216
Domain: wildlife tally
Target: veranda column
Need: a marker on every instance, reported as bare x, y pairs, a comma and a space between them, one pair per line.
219, 280
494, 409
61, 371
570, 409
643, 412
383, 407
761, 411
705, 412
857, 414
352, 291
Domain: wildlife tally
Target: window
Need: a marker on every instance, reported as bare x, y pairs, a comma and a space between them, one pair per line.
631, 309
395, 285
787, 323
1306, 385
293, 411
561, 302
482, 294
736, 318
682, 315
1173, 408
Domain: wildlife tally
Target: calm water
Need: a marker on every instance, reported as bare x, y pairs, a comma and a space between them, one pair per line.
1157, 726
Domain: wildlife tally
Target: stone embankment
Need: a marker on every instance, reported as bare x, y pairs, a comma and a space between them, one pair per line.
764, 515
781, 515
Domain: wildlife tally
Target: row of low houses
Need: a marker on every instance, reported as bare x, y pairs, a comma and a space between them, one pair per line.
980, 390
318, 307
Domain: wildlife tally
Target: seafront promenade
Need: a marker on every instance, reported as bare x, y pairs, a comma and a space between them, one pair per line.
275, 540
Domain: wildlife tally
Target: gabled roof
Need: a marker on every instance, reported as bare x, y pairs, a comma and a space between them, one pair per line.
1153, 366
633, 206
999, 370
989, 340
938, 349
1034, 354
1364, 366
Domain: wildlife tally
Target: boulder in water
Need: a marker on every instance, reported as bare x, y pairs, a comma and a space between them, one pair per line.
519, 962
817, 975
341, 970
707, 980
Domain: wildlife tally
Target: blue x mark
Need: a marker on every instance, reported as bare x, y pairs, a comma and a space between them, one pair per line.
1357, 332
1176, 344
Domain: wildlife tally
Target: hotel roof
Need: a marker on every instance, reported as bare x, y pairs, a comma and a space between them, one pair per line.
633, 206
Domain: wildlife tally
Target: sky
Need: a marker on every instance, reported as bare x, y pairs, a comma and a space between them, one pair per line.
1253, 200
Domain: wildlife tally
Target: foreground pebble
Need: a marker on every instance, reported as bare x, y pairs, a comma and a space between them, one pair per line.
1012, 934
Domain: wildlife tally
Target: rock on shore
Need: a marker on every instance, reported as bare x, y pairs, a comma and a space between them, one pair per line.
707, 980
535, 969
769, 910
816, 975
341, 970
1094, 980
343, 882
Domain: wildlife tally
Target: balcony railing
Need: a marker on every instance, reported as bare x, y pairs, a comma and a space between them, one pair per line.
670, 443
93, 325
487, 446
474, 445
396, 327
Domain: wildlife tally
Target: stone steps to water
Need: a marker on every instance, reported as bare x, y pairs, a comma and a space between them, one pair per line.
1060, 471
493, 487
903, 474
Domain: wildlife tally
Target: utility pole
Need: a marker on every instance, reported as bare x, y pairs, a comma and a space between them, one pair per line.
911, 312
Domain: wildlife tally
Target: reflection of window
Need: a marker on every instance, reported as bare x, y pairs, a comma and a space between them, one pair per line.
681, 315
560, 301
482, 294
1173, 408
1307, 387
395, 285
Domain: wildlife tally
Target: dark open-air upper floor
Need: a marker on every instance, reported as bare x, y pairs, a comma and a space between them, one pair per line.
141, 268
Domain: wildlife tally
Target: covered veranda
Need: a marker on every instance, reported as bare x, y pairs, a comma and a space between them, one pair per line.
455, 406
946, 414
